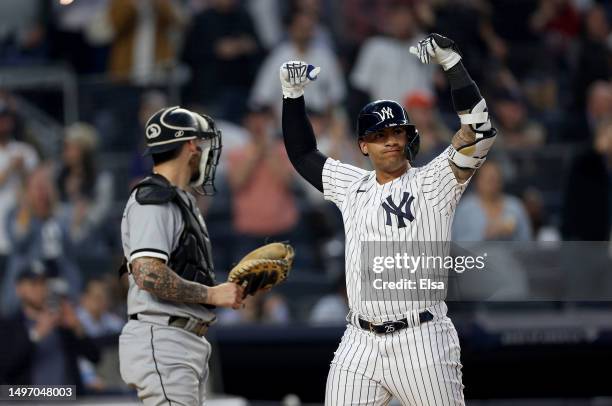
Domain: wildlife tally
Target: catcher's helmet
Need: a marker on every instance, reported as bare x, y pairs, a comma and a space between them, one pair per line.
381, 114
170, 127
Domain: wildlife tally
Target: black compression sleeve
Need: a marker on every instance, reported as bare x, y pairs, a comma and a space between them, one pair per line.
464, 91
301, 143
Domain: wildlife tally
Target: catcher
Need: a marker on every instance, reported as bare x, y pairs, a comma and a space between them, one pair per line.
172, 291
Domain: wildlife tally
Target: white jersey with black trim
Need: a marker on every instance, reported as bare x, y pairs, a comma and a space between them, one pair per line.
154, 231
417, 206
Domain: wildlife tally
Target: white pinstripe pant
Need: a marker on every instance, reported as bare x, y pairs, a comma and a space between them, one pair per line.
419, 366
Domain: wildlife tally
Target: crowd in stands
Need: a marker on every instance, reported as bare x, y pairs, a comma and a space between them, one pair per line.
544, 67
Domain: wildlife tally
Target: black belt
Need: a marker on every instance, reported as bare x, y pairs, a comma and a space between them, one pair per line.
392, 326
198, 328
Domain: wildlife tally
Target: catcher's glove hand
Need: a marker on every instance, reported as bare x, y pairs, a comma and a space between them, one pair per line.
263, 268
295, 75
437, 48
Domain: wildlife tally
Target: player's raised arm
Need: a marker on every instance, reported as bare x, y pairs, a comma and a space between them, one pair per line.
472, 142
299, 137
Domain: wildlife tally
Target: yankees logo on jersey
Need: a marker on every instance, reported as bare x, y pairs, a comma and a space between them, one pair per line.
391, 208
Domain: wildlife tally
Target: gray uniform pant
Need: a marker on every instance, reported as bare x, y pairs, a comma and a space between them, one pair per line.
166, 365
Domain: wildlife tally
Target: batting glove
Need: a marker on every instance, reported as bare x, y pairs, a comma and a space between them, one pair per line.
295, 75
437, 48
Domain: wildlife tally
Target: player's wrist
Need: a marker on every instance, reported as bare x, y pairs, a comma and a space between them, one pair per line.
292, 92
449, 59
208, 295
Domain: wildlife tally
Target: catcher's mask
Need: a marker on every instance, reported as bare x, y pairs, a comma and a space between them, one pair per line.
381, 114
170, 127
210, 143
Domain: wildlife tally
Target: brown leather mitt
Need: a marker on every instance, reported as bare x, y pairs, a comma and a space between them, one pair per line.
263, 268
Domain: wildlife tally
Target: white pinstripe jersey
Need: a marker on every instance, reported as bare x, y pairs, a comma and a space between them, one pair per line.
435, 192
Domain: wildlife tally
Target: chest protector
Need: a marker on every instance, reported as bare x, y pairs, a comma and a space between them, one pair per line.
192, 258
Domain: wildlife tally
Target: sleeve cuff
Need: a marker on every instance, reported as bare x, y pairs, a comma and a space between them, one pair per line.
149, 252
327, 178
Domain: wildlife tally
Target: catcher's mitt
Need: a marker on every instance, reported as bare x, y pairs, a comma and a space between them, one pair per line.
263, 268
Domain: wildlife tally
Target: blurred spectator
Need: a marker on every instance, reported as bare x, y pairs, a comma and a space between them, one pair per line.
599, 103
43, 339
359, 18
511, 120
322, 35
86, 194
594, 55
151, 102
81, 35
234, 136
516, 45
362, 19
434, 135
36, 232
598, 109
23, 31
333, 308
98, 322
489, 214
587, 203
222, 51
542, 94
118, 290
333, 137
267, 20
559, 19
17, 160
468, 23
268, 308
274, 310
538, 216
94, 310
385, 69
260, 177
142, 48
324, 93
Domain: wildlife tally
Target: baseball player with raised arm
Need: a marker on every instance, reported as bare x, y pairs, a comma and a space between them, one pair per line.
162, 350
407, 349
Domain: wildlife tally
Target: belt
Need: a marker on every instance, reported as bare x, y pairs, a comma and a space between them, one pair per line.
392, 326
198, 328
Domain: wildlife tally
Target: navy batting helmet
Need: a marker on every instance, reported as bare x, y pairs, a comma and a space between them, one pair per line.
381, 114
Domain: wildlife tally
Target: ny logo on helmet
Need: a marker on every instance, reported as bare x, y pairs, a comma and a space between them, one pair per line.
385, 113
